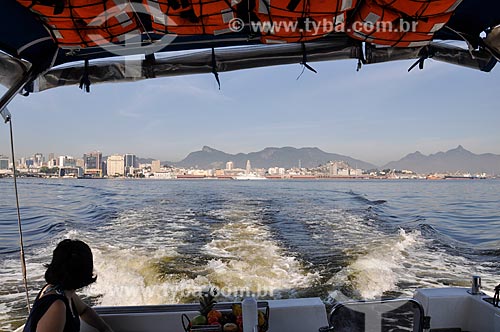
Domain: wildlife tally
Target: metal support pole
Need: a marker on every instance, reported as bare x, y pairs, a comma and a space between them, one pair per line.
15, 89
8, 119
5, 114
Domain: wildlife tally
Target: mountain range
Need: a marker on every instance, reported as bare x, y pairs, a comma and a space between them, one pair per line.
455, 160
287, 157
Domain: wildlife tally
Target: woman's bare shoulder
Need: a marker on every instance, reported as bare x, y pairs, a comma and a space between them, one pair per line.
54, 318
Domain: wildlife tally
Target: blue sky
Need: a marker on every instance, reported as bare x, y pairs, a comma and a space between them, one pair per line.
378, 114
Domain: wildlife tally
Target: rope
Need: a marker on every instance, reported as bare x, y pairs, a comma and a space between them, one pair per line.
21, 243
136, 15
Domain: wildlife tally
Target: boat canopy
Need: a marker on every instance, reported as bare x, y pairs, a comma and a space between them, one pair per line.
50, 43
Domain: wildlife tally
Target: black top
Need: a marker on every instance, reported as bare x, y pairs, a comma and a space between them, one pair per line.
40, 307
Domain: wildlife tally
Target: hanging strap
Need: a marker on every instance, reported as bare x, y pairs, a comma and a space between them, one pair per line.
304, 62
149, 65
8, 119
304, 59
424, 55
85, 80
214, 67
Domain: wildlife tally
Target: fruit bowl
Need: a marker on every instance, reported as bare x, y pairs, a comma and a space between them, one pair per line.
222, 317
226, 317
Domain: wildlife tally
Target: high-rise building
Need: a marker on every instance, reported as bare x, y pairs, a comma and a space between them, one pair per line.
66, 161
116, 165
248, 168
131, 161
155, 166
4, 163
333, 169
38, 159
93, 163
229, 166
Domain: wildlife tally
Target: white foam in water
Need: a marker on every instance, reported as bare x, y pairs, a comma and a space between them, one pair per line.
246, 258
128, 277
249, 260
403, 262
126, 253
127, 267
378, 269
4, 317
4, 310
12, 294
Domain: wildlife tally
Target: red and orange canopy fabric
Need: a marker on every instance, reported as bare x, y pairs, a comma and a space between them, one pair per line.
87, 23
381, 25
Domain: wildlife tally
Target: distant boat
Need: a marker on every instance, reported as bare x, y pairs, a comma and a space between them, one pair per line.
459, 177
250, 176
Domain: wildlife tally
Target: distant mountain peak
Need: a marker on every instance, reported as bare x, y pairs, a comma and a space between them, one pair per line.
459, 148
208, 149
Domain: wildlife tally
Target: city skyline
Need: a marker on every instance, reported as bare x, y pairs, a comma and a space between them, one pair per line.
93, 165
377, 115
458, 158
140, 156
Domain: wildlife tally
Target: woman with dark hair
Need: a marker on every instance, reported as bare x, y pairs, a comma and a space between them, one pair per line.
57, 307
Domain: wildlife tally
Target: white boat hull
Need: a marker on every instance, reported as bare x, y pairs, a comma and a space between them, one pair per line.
448, 308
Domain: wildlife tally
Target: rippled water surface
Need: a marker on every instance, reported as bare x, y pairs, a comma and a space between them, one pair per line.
158, 242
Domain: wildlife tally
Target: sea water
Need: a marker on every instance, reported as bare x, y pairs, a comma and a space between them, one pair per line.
164, 241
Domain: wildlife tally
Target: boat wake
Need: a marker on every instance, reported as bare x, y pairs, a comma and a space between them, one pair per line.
291, 239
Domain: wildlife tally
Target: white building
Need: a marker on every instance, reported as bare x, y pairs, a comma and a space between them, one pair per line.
229, 165
343, 172
276, 171
333, 169
51, 163
116, 165
38, 159
67, 161
248, 169
155, 166
355, 172
162, 175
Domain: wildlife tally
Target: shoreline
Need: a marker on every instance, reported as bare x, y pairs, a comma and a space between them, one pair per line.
272, 178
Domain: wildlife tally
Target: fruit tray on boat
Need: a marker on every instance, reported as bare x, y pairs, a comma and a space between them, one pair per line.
223, 317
